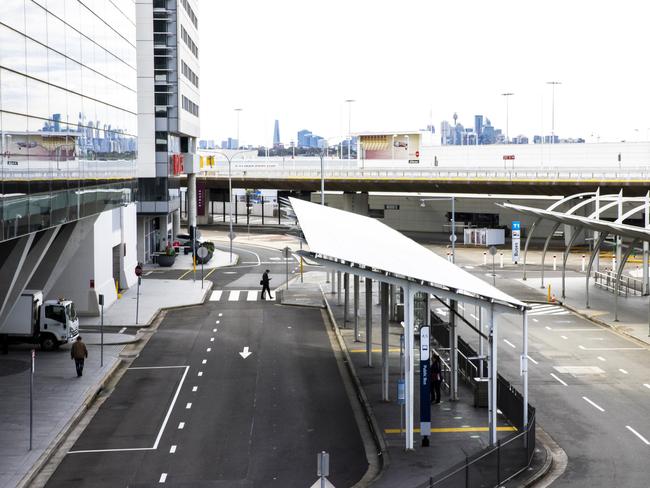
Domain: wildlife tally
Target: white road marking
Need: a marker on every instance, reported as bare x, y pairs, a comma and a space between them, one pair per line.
163, 478
217, 322
216, 296
214, 330
600, 358
188, 406
623, 371
200, 373
531, 359
535, 320
473, 316
647, 385
194, 388
172, 450
122, 330
461, 307
158, 367
211, 339
252, 295
593, 404
555, 376
564, 337
611, 348
220, 314
569, 329
208, 349
205, 360
234, 296
548, 328
181, 425
509, 343
645, 441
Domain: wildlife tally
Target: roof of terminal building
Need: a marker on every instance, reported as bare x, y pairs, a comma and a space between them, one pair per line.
337, 236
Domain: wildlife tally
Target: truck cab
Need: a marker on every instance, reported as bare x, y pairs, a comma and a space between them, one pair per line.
59, 323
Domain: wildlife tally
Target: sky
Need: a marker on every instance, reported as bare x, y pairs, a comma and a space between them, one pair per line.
409, 63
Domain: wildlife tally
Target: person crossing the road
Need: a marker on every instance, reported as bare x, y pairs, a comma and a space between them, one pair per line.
79, 353
265, 282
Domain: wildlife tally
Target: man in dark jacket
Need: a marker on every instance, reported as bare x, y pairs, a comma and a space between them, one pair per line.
265, 284
436, 378
79, 353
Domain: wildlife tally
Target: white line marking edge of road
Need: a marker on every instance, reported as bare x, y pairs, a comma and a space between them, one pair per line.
593, 404
558, 379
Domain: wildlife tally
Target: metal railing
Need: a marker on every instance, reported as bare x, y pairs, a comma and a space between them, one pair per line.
627, 285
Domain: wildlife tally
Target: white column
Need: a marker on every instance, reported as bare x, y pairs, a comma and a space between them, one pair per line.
338, 289
492, 377
524, 368
596, 265
356, 308
646, 277
383, 294
369, 321
453, 351
619, 239
191, 199
176, 223
409, 376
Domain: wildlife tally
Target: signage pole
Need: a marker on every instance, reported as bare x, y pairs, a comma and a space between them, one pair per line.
425, 387
101, 332
31, 402
137, 301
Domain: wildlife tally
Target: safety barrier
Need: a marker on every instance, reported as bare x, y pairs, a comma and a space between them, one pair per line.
627, 285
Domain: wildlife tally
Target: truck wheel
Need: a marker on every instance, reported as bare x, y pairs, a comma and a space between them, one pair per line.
49, 343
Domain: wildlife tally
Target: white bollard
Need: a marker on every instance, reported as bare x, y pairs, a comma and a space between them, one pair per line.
484, 259
613, 264
582, 267
448, 256
554, 262
501, 260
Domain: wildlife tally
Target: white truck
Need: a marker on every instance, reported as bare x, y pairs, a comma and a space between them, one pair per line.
50, 323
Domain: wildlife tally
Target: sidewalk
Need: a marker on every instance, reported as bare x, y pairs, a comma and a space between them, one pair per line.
469, 424
219, 259
59, 397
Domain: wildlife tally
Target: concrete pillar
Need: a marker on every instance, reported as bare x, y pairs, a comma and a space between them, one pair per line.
176, 223
346, 298
383, 294
338, 288
191, 199
369, 321
356, 203
356, 308
492, 377
453, 352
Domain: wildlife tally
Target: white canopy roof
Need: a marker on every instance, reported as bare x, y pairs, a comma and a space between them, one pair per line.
336, 235
598, 225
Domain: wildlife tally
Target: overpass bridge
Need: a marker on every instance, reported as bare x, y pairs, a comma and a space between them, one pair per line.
340, 175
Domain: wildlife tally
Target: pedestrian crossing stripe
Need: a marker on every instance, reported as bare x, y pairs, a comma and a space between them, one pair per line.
235, 295
550, 309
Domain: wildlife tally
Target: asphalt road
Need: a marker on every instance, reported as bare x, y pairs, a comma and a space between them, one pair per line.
191, 411
591, 388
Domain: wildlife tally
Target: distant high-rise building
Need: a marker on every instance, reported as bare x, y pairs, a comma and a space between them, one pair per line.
203, 144
276, 134
478, 125
303, 138
445, 133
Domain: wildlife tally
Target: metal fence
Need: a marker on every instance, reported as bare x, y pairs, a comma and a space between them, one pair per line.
627, 285
513, 454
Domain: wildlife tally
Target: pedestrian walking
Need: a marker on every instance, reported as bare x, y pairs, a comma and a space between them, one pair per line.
436, 378
79, 353
265, 282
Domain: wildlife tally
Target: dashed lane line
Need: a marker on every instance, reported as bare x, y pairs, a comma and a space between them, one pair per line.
623, 371
163, 478
593, 404
645, 441
558, 379
172, 449
509, 343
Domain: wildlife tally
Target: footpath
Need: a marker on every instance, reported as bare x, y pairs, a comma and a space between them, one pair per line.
59, 397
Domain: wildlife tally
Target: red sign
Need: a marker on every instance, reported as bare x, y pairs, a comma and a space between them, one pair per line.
507, 157
417, 154
177, 164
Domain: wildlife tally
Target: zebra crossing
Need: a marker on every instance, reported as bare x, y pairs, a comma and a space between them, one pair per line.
235, 295
547, 309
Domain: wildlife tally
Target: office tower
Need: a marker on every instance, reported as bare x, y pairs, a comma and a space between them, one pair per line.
478, 126
168, 115
303, 138
276, 134
68, 128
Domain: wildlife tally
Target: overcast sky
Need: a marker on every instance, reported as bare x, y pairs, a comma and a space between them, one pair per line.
410, 62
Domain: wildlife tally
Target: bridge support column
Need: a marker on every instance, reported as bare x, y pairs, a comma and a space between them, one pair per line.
356, 203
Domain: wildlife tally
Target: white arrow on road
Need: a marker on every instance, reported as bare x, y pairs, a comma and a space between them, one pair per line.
245, 353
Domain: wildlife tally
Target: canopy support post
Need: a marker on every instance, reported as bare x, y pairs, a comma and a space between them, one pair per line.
338, 288
524, 371
356, 308
453, 351
408, 366
383, 287
546, 243
346, 298
492, 377
369, 321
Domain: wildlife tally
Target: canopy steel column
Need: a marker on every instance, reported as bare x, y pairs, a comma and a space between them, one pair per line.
338, 288
453, 351
528, 237
646, 247
596, 233
355, 304
546, 243
576, 230
492, 377
346, 297
592, 258
409, 375
369, 321
333, 280
619, 239
524, 370
619, 272
383, 294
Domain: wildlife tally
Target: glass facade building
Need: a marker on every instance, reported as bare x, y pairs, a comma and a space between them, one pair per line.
68, 111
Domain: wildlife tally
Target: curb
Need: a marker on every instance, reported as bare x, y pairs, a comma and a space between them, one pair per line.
543, 471
60, 438
380, 443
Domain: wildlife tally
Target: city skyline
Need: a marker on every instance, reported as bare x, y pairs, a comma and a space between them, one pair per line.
603, 78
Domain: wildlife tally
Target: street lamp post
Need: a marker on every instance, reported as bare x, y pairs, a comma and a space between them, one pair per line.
553, 83
452, 237
323, 151
506, 96
230, 158
349, 102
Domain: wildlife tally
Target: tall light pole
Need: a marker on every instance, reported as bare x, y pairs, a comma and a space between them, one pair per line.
349, 102
507, 95
323, 151
238, 111
553, 83
230, 158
